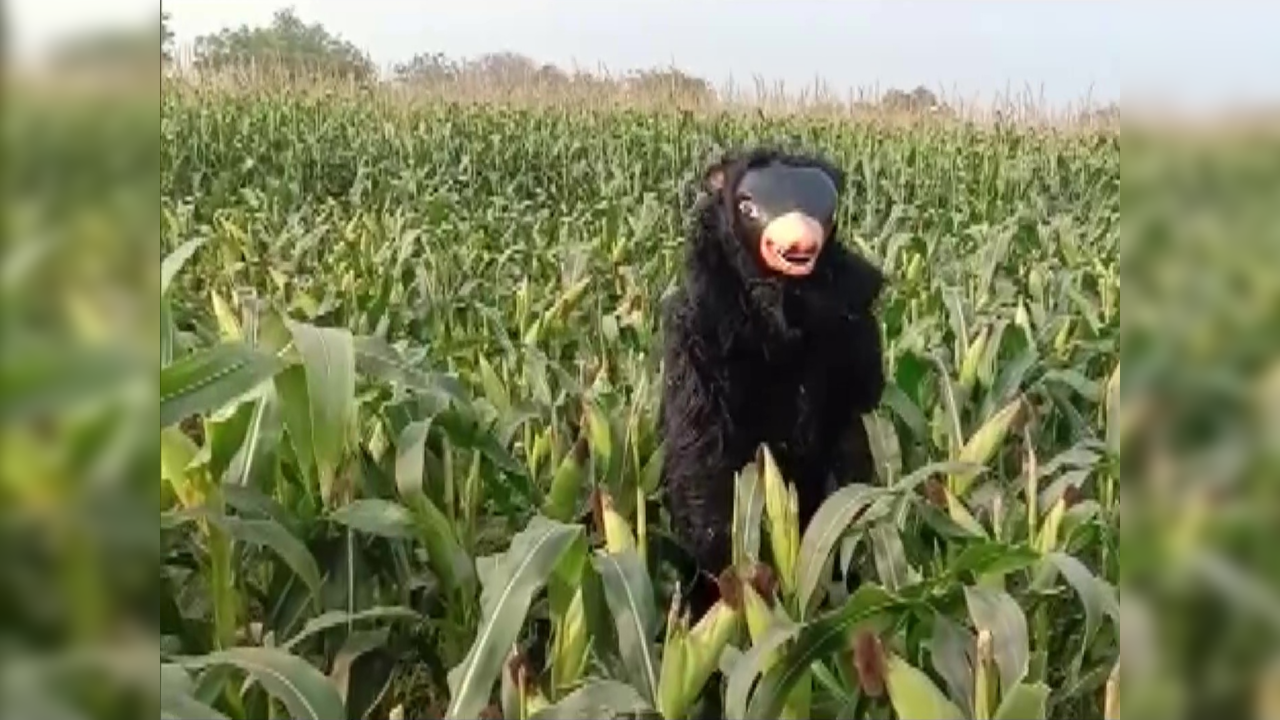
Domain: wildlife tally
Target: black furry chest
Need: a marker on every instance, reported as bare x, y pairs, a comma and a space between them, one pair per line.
785, 404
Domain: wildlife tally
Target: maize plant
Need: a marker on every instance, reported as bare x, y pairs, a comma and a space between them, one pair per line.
410, 447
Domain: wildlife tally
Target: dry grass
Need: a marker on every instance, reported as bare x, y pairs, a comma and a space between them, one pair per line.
603, 90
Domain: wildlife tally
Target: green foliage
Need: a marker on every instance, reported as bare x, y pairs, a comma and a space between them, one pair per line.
437, 325
287, 45
112, 49
393, 336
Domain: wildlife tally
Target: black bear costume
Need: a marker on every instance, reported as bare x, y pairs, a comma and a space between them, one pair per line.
771, 340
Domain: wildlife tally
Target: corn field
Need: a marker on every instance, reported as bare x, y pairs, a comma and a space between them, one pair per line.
409, 390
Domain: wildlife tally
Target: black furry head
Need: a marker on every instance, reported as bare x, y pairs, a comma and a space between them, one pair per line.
742, 194
789, 277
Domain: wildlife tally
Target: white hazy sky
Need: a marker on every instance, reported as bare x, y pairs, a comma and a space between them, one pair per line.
1065, 51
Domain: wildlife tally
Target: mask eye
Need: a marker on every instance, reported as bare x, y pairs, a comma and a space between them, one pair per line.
748, 209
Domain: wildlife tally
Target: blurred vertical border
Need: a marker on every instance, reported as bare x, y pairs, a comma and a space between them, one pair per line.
79, 545
1200, 404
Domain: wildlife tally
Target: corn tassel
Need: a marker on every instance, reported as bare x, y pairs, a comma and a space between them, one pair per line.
618, 537
1111, 705
670, 684
985, 678
1062, 339
984, 443
540, 450
760, 617
972, 357
567, 483
1052, 526
782, 510
570, 650
690, 656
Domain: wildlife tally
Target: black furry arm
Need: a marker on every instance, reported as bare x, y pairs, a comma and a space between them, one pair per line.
857, 392
697, 466
859, 374
863, 351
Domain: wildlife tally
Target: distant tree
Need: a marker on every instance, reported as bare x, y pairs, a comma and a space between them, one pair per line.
166, 38
921, 99
503, 68
287, 45
511, 69
1105, 115
673, 83
426, 68
549, 74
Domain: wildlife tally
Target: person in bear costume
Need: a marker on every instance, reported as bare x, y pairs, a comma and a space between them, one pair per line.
771, 339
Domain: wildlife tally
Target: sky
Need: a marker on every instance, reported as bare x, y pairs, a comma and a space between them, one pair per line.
1061, 52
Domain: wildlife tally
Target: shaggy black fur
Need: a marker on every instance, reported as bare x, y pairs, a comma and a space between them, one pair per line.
752, 357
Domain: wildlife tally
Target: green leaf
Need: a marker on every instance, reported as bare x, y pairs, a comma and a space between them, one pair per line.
304, 691
952, 649
253, 463
250, 501
23, 695
336, 618
177, 453
1098, 597
516, 417
816, 640
168, 334
960, 515
1112, 415
508, 591
955, 434
177, 697
328, 355
1024, 702
748, 667
494, 389
410, 446
883, 442
378, 360
1090, 390
748, 498
1247, 592
1011, 374
38, 377
210, 379
489, 447
985, 442
997, 612
273, 536
922, 474
914, 696
907, 411
360, 696
225, 433
376, 517
175, 705
568, 482
173, 262
890, 557
596, 699
448, 560
651, 475
629, 595
602, 439
944, 525
295, 409
829, 524
990, 557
